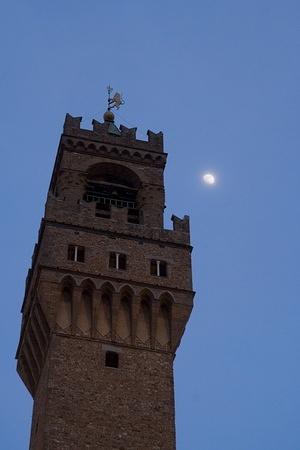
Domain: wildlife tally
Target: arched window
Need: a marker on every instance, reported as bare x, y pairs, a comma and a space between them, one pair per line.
113, 185
64, 312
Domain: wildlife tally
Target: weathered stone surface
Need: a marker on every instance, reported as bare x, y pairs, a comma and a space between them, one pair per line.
92, 406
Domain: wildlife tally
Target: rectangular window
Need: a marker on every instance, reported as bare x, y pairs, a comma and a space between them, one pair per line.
153, 267
117, 261
158, 268
76, 253
133, 215
112, 359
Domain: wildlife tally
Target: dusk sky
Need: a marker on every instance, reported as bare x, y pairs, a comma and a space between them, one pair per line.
220, 78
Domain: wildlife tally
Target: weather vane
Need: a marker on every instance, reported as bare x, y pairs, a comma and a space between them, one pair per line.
114, 102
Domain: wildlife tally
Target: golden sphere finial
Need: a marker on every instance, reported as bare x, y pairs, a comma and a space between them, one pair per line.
108, 116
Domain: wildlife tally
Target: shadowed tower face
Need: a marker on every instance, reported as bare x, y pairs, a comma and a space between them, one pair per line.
107, 297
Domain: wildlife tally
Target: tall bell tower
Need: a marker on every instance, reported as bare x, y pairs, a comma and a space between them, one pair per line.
107, 297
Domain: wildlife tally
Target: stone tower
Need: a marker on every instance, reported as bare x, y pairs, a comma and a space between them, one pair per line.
107, 297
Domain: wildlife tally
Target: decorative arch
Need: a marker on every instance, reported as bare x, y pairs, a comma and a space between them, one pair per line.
114, 151
163, 332
80, 144
143, 330
65, 307
124, 322
126, 290
166, 297
114, 173
113, 185
146, 293
68, 281
107, 287
87, 284
85, 313
91, 147
103, 322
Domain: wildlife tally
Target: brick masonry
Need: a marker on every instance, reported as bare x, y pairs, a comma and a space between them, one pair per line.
92, 406
74, 312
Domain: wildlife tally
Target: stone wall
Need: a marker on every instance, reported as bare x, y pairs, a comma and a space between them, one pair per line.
90, 406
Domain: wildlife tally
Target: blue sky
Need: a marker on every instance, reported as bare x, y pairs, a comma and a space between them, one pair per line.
221, 80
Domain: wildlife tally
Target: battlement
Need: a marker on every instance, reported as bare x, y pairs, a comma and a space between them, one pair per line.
108, 132
83, 215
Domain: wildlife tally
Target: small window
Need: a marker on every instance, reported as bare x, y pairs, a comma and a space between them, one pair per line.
112, 359
133, 215
158, 268
76, 253
162, 269
153, 267
117, 261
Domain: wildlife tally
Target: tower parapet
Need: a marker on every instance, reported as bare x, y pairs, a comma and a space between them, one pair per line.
110, 133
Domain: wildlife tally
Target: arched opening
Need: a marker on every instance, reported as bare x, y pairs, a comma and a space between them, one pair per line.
124, 319
64, 312
104, 316
143, 331
163, 334
113, 185
84, 318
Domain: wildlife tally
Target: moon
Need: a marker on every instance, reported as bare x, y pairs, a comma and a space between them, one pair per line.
209, 179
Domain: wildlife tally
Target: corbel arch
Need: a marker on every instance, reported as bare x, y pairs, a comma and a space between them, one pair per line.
144, 318
107, 287
146, 293
103, 320
124, 319
64, 311
80, 144
84, 319
167, 298
92, 147
126, 290
87, 284
163, 330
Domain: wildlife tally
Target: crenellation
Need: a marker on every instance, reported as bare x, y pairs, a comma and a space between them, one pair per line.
128, 133
58, 210
121, 136
181, 225
71, 123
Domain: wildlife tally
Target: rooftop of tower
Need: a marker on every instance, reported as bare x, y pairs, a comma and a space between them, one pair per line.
108, 132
